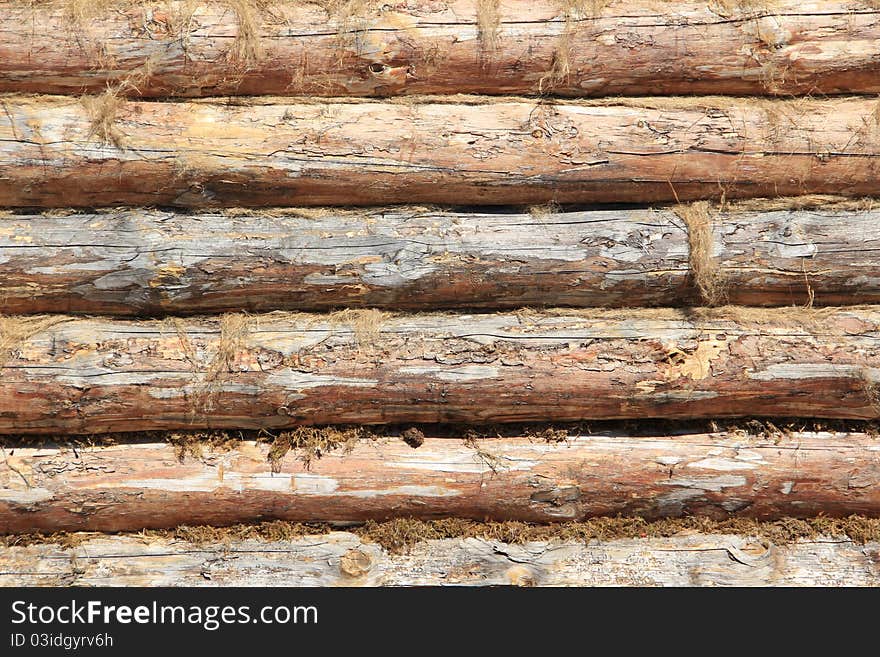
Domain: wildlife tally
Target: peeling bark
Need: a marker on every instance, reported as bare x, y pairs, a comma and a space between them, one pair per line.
146, 262
273, 371
463, 151
129, 487
636, 47
698, 560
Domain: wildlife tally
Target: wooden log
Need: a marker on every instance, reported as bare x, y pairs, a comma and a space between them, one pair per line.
129, 487
57, 152
631, 47
148, 262
138, 262
92, 375
342, 558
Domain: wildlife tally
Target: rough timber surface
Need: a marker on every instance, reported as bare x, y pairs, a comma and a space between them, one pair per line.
149, 262
58, 152
132, 486
586, 48
85, 376
342, 559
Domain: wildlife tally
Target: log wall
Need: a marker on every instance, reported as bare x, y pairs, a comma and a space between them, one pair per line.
142, 136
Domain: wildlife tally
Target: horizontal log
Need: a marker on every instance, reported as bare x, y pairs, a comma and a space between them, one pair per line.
58, 152
138, 262
129, 487
342, 558
627, 47
93, 375
149, 262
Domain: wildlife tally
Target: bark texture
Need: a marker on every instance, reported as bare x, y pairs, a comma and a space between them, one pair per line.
57, 152
129, 487
148, 262
631, 47
341, 559
273, 371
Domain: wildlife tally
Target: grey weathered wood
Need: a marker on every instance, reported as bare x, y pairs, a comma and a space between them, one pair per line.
795, 257
134, 262
150, 262
342, 559
278, 370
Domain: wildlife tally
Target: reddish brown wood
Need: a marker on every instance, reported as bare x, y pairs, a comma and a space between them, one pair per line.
133, 486
272, 371
465, 151
587, 48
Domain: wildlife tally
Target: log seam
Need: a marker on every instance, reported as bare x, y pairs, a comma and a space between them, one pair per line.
707, 275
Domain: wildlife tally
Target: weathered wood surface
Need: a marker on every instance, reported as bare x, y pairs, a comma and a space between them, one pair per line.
149, 262
272, 371
129, 487
823, 256
152, 262
631, 47
56, 152
342, 559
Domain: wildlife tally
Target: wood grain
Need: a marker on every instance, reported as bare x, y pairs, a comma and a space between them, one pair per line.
132, 486
57, 152
629, 47
138, 262
272, 371
150, 262
697, 560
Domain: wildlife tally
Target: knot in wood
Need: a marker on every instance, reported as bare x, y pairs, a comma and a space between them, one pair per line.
355, 563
